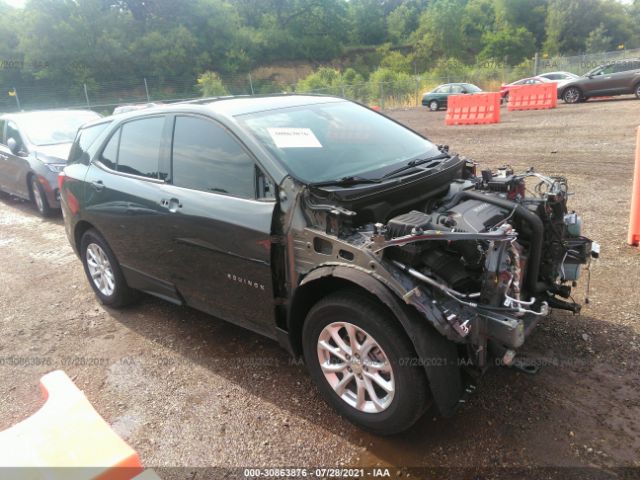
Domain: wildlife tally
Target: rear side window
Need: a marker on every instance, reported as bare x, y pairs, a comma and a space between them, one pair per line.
109, 155
84, 139
140, 146
206, 157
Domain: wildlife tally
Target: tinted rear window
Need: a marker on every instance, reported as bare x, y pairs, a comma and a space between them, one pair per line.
84, 139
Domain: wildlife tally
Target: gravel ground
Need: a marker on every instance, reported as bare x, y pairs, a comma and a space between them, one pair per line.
187, 390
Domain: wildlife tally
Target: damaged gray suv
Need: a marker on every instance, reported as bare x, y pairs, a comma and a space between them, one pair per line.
395, 269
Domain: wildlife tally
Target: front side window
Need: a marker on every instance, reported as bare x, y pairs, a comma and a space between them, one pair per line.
329, 141
444, 90
207, 158
140, 147
13, 132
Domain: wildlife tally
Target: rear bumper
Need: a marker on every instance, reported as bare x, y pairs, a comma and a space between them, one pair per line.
49, 182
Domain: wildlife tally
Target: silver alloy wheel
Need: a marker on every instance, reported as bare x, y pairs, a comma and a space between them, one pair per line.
100, 269
37, 198
433, 105
572, 95
356, 367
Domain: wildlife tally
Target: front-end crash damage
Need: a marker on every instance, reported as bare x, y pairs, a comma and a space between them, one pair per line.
482, 258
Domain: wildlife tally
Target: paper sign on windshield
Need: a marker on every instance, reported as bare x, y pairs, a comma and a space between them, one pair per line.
294, 138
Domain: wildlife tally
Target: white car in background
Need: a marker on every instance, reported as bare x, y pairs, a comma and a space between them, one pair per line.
561, 78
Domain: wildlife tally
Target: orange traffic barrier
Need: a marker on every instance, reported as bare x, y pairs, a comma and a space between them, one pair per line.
65, 432
473, 109
533, 97
634, 220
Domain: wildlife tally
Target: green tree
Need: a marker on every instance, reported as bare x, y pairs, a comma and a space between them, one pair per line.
512, 44
598, 40
210, 85
440, 31
568, 24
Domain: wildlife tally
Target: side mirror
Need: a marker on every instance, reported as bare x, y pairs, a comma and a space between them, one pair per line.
13, 146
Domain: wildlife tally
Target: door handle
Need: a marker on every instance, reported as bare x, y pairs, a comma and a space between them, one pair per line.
97, 185
171, 204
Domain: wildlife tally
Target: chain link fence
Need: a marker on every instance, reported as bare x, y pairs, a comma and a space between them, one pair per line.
405, 92
581, 64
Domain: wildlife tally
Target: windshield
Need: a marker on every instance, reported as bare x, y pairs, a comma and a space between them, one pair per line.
50, 128
330, 141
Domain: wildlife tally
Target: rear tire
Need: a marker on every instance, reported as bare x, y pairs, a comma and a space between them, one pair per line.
366, 375
103, 271
434, 106
39, 198
636, 90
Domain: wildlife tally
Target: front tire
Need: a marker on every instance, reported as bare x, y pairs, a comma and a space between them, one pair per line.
434, 105
637, 91
572, 95
103, 271
360, 359
40, 198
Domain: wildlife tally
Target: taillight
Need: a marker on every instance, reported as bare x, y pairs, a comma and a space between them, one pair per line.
61, 179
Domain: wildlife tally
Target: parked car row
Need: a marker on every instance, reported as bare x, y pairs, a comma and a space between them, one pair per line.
388, 263
34, 147
621, 77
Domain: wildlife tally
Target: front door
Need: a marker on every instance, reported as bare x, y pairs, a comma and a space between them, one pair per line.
220, 230
600, 83
15, 167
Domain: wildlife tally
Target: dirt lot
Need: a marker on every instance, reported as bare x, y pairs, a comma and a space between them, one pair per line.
185, 389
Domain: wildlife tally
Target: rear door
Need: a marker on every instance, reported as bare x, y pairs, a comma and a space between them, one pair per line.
123, 199
220, 228
626, 75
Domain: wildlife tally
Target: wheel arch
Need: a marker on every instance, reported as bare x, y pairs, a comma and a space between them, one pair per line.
328, 279
79, 230
30, 175
436, 354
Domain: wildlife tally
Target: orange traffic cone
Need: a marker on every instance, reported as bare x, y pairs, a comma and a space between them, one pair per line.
66, 432
634, 219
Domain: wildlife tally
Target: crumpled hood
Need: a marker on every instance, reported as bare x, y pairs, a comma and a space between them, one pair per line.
53, 153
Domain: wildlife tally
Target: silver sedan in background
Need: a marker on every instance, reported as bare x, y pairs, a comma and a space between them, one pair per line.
34, 147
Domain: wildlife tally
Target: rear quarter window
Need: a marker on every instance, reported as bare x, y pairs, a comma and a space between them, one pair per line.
84, 139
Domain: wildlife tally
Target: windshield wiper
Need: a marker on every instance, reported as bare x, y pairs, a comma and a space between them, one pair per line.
414, 163
345, 182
